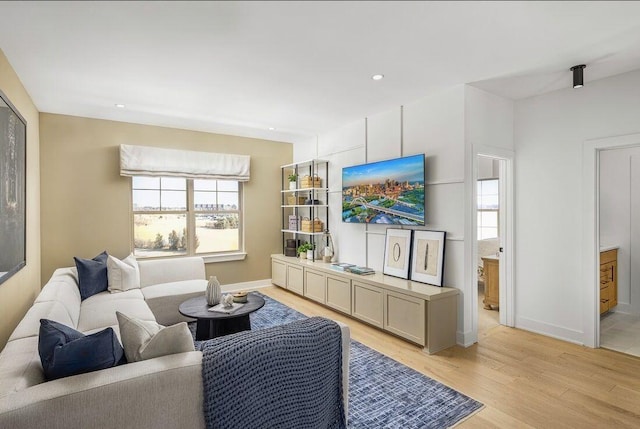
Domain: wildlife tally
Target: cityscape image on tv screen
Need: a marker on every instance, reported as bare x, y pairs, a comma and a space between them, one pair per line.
386, 192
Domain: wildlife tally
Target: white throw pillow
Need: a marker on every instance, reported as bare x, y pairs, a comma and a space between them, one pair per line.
143, 339
122, 275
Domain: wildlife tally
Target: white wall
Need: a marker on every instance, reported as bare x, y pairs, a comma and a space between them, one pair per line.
436, 126
619, 184
550, 132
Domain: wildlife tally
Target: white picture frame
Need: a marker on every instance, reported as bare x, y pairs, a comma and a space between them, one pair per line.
397, 251
427, 257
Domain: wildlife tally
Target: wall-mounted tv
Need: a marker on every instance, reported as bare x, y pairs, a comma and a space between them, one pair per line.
386, 192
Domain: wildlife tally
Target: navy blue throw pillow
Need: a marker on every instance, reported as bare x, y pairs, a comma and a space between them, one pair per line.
65, 351
92, 275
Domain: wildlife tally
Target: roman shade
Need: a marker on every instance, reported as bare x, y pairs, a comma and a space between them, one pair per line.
153, 161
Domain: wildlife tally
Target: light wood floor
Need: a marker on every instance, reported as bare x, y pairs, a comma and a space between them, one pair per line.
525, 380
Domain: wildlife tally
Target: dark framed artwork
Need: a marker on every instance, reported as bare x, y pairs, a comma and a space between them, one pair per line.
13, 190
427, 262
397, 248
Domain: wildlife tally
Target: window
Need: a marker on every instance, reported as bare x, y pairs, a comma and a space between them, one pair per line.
488, 208
168, 211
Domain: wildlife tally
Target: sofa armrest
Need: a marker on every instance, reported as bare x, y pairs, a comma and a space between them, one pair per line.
346, 352
162, 392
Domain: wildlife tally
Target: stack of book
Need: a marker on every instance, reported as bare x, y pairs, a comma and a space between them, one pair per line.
351, 268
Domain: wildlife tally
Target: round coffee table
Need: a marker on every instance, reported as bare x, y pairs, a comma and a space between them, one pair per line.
213, 324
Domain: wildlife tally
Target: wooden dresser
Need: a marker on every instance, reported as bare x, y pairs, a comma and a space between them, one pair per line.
608, 280
491, 267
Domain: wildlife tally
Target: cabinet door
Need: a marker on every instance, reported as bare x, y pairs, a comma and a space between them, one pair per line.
367, 303
295, 279
278, 273
491, 282
314, 285
405, 316
339, 293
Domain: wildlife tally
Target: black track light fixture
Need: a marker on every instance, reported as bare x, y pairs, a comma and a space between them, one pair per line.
578, 81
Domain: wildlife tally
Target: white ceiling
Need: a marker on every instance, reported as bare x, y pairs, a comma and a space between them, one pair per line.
301, 67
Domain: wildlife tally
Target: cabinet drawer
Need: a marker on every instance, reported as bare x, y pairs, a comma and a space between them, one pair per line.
405, 316
314, 285
279, 273
339, 294
607, 272
366, 303
295, 279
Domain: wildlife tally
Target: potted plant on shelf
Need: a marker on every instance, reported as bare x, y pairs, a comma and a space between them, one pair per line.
292, 181
305, 251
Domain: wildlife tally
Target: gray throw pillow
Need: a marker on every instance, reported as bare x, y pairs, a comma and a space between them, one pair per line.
143, 339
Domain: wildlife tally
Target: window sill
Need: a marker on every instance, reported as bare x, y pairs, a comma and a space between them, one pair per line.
227, 257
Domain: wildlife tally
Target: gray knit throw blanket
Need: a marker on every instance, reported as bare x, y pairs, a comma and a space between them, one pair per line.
288, 376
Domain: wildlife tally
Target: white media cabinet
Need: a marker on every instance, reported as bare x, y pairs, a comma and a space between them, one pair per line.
423, 314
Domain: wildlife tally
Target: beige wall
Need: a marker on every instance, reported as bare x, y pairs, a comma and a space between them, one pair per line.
86, 203
18, 292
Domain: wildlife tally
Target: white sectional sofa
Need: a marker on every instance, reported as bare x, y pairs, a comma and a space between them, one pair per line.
164, 392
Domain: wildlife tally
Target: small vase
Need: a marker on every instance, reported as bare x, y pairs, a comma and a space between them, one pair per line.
292, 186
213, 293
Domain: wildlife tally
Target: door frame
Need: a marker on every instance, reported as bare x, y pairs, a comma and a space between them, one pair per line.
591, 229
507, 235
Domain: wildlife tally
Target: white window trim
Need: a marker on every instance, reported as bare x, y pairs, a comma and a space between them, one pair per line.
223, 257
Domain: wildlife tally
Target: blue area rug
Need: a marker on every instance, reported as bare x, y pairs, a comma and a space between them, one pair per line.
383, 393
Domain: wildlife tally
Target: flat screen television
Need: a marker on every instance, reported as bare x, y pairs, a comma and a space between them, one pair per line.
385, 192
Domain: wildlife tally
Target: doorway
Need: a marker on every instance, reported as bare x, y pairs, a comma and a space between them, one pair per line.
488, 242
492, 235
619, 236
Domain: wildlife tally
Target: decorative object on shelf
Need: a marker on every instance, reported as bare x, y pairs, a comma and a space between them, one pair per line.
214, 292
427, 261
292, 181
227, 300
292, 200
341, 266
303, 250
240, 297
294, 222
361, 271
397, 249
328, 249
310, 202
315, 225
310, 182
291, 247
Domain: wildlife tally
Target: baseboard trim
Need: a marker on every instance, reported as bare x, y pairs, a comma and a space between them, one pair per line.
255, 284
550, 330
465, 339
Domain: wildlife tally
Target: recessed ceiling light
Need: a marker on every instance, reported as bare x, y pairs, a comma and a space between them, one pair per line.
271, 128
120, 106
377, 76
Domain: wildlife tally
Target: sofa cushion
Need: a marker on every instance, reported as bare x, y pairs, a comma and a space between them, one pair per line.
122, 275
65, 351
144, 340
165, 298
102, 297
155, 271
20, 365
102, 313
92, 275
29, 326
